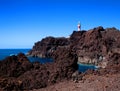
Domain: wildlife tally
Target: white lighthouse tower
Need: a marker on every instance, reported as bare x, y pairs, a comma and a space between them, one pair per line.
79, 26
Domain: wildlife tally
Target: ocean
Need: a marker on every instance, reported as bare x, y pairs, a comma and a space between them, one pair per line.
85, 67
8, 52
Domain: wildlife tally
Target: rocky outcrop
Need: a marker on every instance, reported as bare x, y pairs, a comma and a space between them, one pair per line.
100, 80
10, 84
14, 66
65, 62
94, 45
10, 69
112, 66
91, 46
46, 74
97, 46
17, 73
48, 45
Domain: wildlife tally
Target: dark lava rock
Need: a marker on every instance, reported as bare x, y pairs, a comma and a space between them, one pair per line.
17, 73
46, 46
10, 84
112, 67
14, 66
46, 74
65, 63
88, 43
94, 43
10, 69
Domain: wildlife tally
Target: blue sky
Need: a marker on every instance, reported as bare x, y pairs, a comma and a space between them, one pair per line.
24, 22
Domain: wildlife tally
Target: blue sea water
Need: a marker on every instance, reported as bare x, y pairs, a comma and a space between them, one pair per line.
7, 52
85, 67
41, 60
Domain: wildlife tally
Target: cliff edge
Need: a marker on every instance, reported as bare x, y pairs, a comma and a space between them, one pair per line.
92, 46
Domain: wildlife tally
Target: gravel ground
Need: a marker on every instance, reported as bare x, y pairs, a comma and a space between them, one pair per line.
92, 83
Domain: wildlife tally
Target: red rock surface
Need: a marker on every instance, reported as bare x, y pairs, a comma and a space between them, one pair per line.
17, 73
93, 45
46, 46
97, 46
92, 83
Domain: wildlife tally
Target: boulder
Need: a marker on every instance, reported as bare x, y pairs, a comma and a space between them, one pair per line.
14, 66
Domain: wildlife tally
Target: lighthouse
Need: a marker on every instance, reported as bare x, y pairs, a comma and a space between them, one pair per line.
79, 26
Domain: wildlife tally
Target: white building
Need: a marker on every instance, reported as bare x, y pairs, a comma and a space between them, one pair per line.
79, 26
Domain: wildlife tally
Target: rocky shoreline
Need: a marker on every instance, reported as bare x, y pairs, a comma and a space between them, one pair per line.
97, 46
91, 47
19, 74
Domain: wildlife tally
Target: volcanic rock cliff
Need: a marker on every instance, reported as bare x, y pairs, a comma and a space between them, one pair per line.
46, 46
91, 47
17, 73
97, 46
